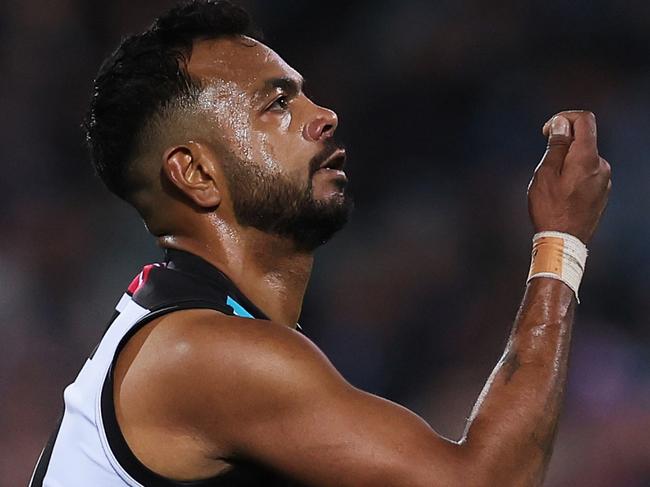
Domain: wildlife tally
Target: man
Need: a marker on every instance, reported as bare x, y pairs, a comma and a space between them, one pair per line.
202, 378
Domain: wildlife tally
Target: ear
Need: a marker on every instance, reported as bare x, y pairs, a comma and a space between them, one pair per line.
192, 169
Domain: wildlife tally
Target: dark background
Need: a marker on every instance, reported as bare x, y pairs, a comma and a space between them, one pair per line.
441, 105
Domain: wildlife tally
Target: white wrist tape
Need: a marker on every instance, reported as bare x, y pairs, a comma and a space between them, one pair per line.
559, 256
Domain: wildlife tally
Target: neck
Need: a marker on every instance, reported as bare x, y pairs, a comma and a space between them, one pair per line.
267, 269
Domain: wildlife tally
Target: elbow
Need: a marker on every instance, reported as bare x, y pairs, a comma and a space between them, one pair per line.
486, 465
476, 466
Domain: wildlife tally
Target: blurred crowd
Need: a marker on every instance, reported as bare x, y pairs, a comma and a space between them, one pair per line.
441, 106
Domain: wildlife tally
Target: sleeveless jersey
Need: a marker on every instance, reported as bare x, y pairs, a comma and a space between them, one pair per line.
88, 449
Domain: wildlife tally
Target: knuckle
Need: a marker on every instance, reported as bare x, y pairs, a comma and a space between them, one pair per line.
558, 141
605, 167
588, 115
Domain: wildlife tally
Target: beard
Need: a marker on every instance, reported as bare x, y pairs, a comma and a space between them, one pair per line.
275, 204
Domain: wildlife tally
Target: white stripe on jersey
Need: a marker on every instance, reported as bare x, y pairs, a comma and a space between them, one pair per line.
82, 456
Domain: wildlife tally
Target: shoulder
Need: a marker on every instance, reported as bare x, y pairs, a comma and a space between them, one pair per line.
213, 342
205, 370
232, 351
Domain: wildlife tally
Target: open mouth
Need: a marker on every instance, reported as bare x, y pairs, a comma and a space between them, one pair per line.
336, 162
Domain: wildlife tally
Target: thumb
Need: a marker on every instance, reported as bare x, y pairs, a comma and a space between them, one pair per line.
559, 141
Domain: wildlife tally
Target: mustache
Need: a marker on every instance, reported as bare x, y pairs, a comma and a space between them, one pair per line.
330, 147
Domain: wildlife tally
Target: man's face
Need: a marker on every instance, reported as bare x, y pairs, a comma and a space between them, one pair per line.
284, 169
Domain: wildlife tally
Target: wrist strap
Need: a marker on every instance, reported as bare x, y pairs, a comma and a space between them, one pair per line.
559, 256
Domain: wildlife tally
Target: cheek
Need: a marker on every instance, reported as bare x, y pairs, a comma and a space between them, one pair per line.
280, 150
267, 155
285, 122
280, 146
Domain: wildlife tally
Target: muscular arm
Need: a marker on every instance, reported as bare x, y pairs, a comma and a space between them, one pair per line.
258, 391
512, 427
288, 408
275, 398
514, 420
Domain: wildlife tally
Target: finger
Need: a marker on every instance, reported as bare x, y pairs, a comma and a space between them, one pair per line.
605, 167
559, 141
585, 131
572, 115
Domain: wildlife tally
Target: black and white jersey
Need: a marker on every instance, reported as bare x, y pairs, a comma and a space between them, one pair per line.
88, 449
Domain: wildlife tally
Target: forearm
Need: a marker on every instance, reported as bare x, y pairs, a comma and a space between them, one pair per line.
511, 430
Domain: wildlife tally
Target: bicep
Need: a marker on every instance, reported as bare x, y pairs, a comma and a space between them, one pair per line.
293, 412
356, 440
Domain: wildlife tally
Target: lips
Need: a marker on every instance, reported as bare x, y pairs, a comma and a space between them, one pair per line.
336, 161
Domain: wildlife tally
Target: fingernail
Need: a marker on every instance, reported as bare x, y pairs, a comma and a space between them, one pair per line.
560, 126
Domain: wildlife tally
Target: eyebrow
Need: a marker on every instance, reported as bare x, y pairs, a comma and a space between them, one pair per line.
292, 86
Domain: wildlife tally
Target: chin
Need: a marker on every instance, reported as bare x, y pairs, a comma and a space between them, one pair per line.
330, 197
333, 191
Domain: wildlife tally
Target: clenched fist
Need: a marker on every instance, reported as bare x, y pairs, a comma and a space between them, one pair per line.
569, 189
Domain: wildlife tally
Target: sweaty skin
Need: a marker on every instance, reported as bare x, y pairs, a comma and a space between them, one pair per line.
195, 389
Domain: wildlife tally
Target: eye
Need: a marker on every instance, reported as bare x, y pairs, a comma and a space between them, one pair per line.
280, 104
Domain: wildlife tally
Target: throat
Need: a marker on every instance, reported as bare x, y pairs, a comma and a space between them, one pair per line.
276, 280
268, 270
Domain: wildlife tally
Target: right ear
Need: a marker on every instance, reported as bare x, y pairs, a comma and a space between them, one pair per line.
192, 169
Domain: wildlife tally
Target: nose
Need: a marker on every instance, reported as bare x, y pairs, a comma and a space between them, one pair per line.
322, 126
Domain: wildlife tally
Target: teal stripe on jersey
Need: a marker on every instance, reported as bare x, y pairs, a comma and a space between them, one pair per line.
237, 308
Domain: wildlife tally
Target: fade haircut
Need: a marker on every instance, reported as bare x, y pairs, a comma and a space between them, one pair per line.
145, 80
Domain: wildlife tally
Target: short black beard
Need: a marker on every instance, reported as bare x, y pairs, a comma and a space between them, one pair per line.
278, 206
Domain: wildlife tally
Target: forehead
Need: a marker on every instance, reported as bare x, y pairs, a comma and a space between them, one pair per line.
241, 60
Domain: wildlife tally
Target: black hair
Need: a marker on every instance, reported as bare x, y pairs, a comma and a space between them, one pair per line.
146, 75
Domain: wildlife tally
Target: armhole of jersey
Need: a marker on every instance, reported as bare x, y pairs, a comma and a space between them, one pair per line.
126, 464
44, 459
